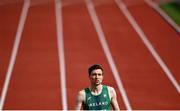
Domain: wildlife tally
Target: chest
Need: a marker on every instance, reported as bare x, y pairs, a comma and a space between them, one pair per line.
97, 102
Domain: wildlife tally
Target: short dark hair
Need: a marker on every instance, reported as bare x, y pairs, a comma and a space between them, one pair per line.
93, 67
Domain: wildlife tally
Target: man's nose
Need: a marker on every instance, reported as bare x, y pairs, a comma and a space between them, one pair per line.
96, 76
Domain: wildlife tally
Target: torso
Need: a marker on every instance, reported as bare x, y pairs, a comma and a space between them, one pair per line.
97, 102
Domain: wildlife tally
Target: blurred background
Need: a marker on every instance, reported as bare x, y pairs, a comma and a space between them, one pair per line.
46, 47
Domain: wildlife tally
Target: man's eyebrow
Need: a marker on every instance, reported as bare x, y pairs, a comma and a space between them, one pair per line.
96, 73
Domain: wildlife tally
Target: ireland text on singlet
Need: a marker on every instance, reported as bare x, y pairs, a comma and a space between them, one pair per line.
97, 102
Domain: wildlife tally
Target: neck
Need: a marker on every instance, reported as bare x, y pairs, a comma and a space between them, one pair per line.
96, 89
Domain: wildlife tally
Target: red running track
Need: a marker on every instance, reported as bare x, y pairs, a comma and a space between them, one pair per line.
35, 78
36, 82
7, 12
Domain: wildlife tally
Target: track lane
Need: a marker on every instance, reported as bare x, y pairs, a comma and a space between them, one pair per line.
82, 49
80, 40
9, 15
146, 84
163, 37
35, 80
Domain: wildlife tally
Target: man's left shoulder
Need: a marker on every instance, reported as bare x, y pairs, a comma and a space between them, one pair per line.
111, 92
110, 88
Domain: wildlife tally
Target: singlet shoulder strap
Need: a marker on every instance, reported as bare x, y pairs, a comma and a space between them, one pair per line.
87, 94
87, 90
104, 86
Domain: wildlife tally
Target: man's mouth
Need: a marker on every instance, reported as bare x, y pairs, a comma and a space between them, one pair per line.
97, 80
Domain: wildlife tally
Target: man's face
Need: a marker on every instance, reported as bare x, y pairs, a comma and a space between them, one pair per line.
96, 77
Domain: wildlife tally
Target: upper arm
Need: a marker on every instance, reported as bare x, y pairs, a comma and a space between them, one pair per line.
113, 98
79, 100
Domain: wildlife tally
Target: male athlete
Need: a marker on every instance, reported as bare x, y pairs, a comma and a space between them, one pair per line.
97, 96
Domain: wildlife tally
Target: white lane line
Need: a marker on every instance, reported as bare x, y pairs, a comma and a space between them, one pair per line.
106, 49
163, 14
147, 43
59, 30
14, 51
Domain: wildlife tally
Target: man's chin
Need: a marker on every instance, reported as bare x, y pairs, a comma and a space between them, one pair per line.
97, 84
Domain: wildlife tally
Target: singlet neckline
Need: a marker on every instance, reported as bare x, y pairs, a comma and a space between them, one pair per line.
97, 94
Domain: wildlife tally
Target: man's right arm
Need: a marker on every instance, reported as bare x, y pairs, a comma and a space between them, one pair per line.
79, 100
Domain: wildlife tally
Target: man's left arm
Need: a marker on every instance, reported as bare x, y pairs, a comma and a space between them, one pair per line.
114, 102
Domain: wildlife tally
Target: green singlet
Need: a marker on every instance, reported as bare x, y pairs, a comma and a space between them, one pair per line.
97, 102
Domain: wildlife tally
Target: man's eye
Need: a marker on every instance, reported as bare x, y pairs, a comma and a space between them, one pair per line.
94, 74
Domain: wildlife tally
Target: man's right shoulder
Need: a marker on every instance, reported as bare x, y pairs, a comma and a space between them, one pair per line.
81, 94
